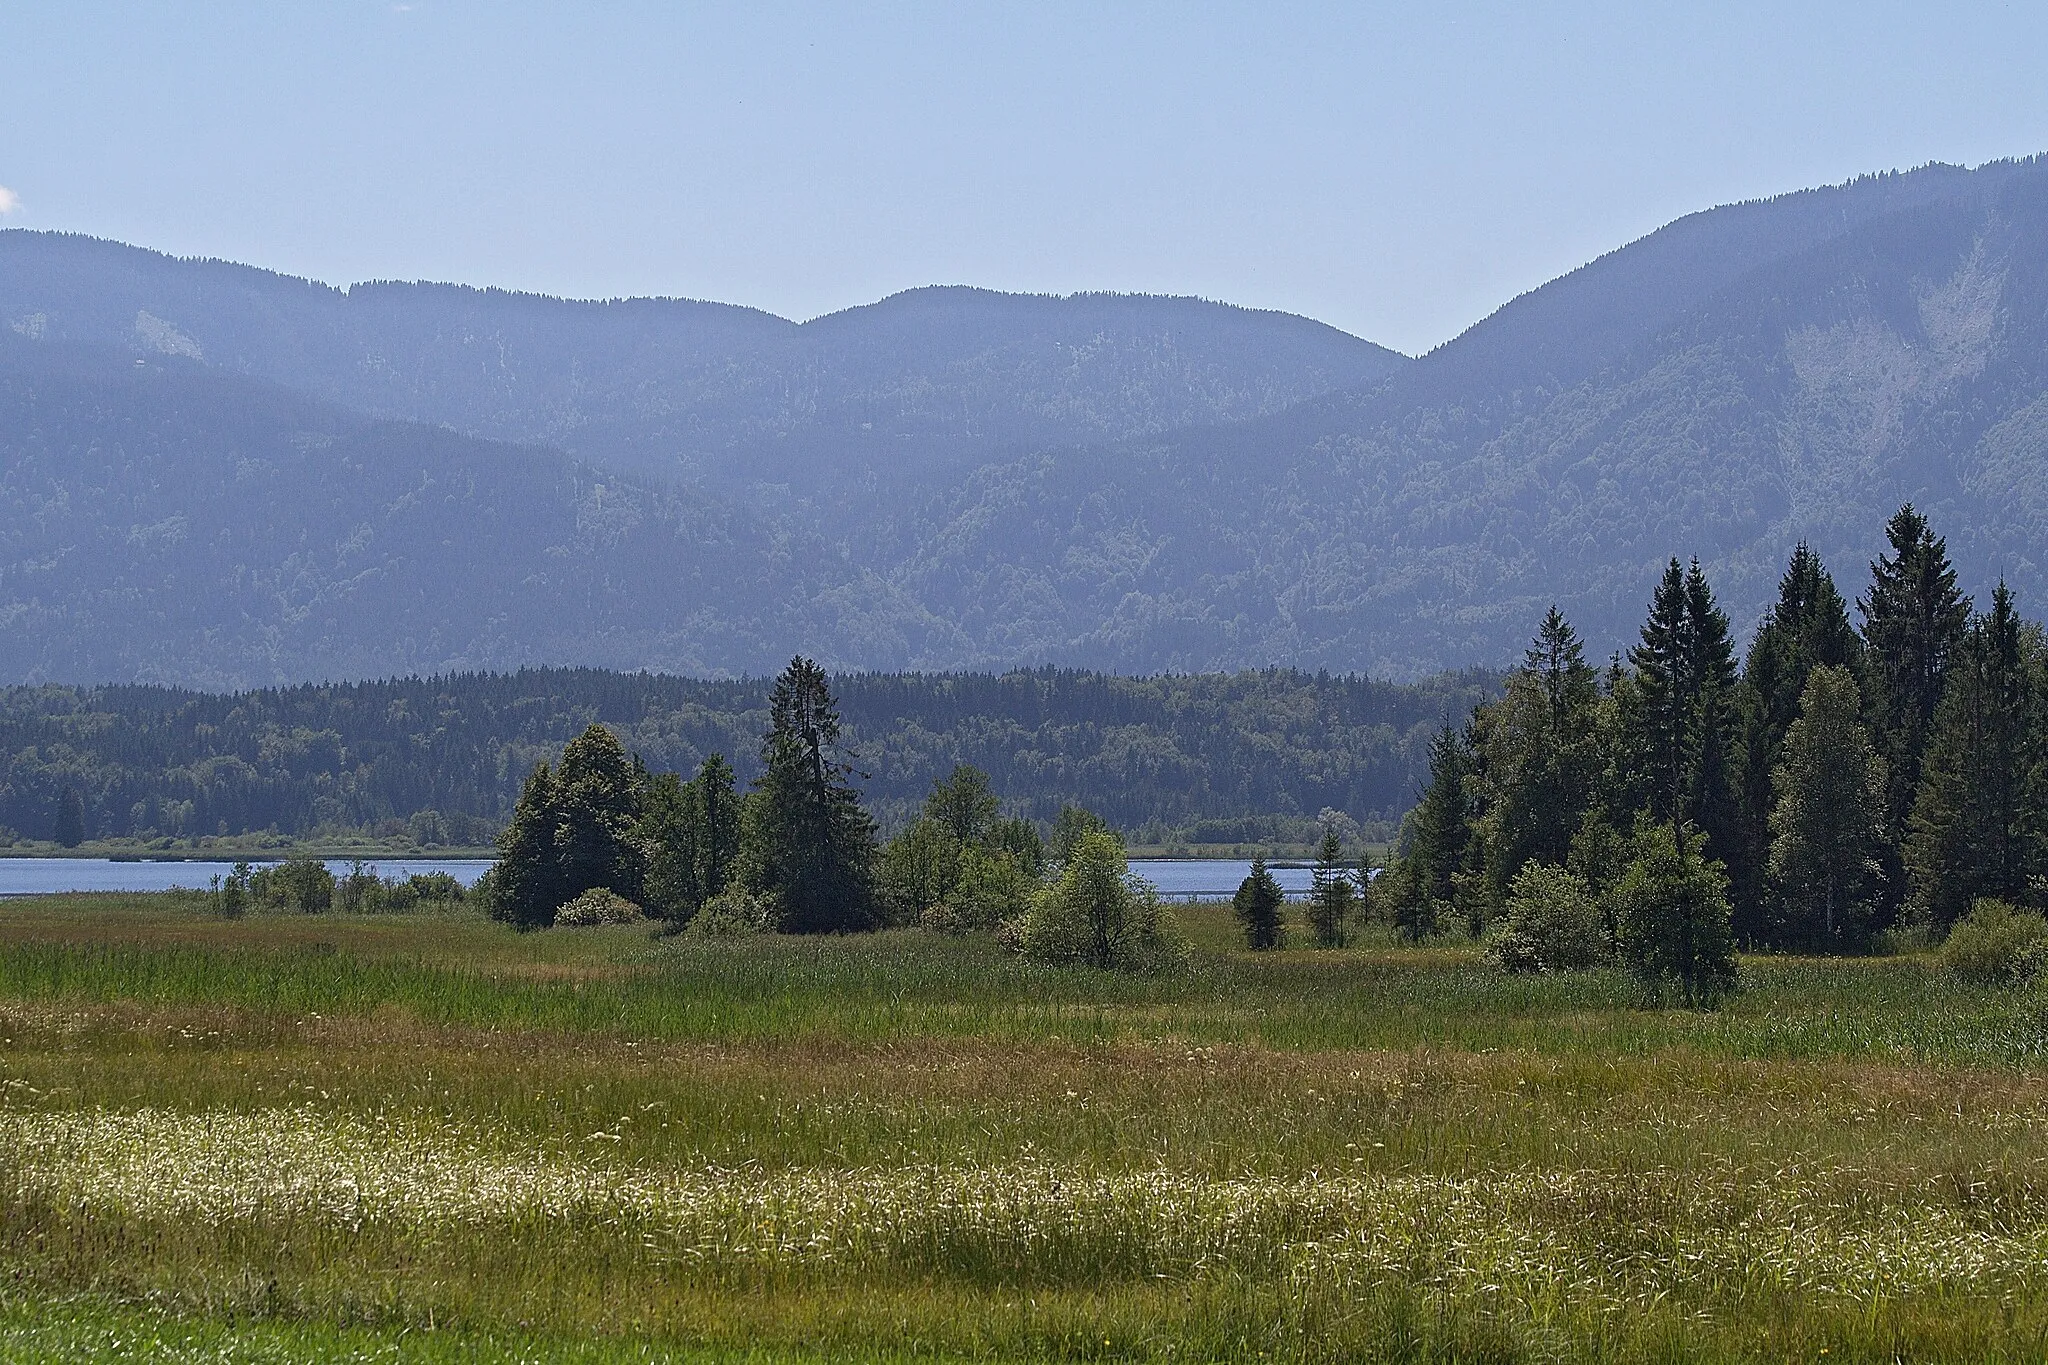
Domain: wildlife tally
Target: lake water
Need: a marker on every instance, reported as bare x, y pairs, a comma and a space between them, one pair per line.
41, 876
1176, 878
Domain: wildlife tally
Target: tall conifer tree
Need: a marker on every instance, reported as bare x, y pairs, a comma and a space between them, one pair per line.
1540, 756
1828, 824
1913, 621
1662, 698
1806, 628
813, 844
1974, 829
1712, 800
1441, 832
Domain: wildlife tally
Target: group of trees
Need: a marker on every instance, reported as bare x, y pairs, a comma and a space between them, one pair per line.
1337, 896
798, 851
1837, 784
600, 820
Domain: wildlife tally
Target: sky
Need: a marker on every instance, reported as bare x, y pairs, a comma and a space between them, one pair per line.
1398, 171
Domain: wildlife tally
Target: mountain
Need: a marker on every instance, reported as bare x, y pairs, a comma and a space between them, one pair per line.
739, 400
161, 521
297, 481
1746, 378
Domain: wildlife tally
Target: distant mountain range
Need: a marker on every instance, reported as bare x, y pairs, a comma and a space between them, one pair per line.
217, 476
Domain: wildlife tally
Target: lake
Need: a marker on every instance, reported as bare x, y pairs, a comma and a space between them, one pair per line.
1176, 878
41, 876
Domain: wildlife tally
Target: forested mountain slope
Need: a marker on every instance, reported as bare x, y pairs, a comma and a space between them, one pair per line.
952, 479
1747, 378
1208, 755
159, 521
931, 379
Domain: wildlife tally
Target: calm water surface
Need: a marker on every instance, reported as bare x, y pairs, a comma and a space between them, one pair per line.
41, 876
1175, 877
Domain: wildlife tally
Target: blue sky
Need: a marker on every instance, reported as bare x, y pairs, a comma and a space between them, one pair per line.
1398, 171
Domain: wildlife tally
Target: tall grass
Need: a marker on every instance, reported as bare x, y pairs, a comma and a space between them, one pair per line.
327, 1136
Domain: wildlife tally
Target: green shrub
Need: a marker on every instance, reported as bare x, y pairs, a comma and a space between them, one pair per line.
1673, 913
1997, 944
1097, 913
1553, 924
599, 905
734, 912
989, 888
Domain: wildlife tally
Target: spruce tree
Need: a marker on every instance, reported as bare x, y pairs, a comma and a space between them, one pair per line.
1663, 697
1827, 826
813, 844
1439, 834
1807, 627
527, 881
1331, 894
1913, 621
1975, 828
1258, 905
1712, 801
1540, 755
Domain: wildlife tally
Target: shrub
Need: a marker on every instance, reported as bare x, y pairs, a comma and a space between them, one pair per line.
734, 912
1553, 924
1674, 918
599, 905
1997, 944
300, 883
1099, 914
990, 887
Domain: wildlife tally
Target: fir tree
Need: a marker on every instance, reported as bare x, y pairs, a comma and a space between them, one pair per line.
813, 845
1663, 697
1827, 825
1975, 827
1259, 905
1540, 756
1712, 801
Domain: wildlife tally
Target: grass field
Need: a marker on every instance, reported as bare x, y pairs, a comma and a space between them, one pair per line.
428, 1138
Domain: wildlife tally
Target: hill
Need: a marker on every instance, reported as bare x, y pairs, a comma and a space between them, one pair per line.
1744, 379
675, 389
954, 479
163, 522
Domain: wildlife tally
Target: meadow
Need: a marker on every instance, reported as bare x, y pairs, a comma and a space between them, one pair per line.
429, 1137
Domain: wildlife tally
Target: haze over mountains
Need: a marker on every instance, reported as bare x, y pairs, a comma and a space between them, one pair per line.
218, 476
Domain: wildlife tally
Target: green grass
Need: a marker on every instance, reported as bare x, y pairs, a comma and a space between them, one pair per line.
428, 1137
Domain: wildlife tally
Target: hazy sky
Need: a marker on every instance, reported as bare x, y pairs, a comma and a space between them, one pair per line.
1396, 170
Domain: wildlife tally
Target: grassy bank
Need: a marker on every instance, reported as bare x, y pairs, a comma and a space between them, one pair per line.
273, 1135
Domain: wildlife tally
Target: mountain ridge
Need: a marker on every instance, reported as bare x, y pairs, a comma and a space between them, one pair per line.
1747, 377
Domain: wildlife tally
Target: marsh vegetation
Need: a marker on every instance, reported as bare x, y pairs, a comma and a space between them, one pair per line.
432, 1136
